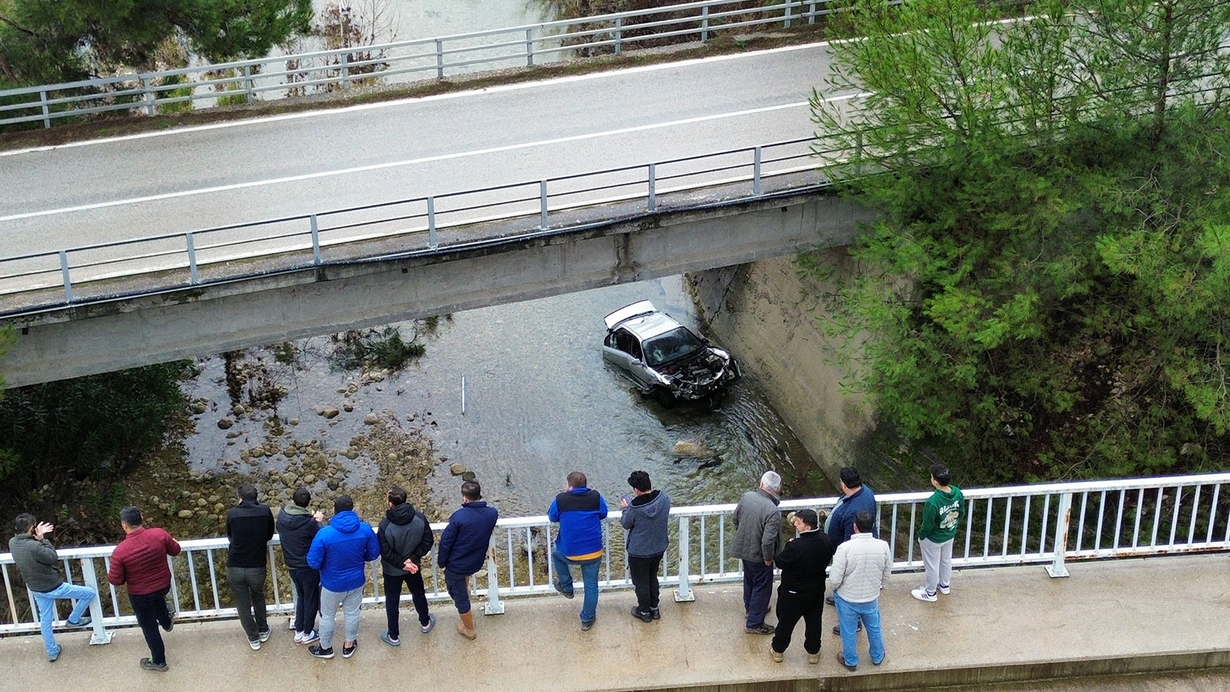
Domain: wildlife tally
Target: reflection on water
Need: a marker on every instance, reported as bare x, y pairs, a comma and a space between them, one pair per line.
539, 403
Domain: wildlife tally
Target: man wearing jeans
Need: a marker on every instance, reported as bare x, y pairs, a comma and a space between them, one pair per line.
140, 560
249, 526
463, 550
39, 565
758, 531
297, 526
860, 569
340, 552
580, 512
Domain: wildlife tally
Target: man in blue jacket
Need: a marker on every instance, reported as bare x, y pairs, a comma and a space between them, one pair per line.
463, 550
580, 512
340, 552
855, 497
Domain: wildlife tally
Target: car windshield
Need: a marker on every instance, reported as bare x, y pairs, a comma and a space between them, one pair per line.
671, 345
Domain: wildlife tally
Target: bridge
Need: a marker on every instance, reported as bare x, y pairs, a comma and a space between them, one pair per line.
1138, 556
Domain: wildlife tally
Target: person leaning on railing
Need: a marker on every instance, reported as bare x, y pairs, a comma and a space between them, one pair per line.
140, 561
39, 565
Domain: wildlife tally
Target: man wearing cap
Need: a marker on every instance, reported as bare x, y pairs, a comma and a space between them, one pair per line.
801, 594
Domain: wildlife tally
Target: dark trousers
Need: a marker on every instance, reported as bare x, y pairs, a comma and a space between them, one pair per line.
248, 590
644, 573
307, 601
151, 611
792, 605
392, 599
757, 590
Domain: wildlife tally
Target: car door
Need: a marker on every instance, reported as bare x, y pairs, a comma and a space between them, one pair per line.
622, 349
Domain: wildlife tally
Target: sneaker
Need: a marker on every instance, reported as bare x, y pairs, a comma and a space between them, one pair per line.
255, 644
641, 615
319, 652
922, 595
656, 612
876, 663
148, 664
829, 600
431, 622
83, 622
776, 656
384, 637
842, 660
586, 625
813, 658
264, 636
837, 628
170, 624
761, 629
310, 637
348, 651
290, 624
299, 637
567, 594
945, 589
52, 658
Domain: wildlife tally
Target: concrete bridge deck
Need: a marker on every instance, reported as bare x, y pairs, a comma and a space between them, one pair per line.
1154, 615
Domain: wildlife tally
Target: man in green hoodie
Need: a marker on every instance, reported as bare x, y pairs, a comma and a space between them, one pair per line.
942, 516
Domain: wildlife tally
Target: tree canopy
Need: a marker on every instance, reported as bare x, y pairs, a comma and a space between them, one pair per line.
1047, 295
44, 41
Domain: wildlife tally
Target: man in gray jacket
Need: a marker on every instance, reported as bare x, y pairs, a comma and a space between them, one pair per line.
645, 517
405, 537
40, 568
860, 569
758, 530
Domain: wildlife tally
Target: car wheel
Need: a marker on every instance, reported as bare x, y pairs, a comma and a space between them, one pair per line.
663, 396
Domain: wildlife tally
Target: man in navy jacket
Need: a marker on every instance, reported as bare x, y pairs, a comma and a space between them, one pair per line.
340, 552
463, 550
580, 512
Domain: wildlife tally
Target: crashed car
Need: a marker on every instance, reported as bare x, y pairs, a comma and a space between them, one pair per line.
663, 358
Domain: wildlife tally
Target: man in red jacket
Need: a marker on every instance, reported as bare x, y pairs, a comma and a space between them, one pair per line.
140, 560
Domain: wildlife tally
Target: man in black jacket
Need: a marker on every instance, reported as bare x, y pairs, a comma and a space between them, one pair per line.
801, 593
297, 526
405, 537
249, 526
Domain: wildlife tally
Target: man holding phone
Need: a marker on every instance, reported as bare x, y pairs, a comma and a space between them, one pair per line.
40, 568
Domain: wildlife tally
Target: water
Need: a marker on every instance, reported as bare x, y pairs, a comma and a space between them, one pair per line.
539, 402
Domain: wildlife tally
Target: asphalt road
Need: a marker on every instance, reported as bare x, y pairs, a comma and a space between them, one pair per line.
202, 177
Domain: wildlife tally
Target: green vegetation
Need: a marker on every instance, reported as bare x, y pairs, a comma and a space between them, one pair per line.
383, 349
48, 41
1047, 294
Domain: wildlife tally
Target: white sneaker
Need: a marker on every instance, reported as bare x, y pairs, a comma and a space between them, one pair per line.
945, 589
921, 594
298, 637
310, 637
255, 644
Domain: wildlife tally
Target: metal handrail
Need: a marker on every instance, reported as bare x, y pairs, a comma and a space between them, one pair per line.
436, 58
1046, 524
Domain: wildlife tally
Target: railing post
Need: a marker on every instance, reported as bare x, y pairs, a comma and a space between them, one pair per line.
431, 223
619, 35
191, 259
542, 196
439, 59
494, 605
100, 634
529, 47
704, 24
1057, 568
315, 241
148, 96
789, 7
247, 84
68, 284
345, 71
42, 99
811, 11
756, 173
653, 187
684, 593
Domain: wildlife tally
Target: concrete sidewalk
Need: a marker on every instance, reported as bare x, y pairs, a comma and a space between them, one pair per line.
1003, 624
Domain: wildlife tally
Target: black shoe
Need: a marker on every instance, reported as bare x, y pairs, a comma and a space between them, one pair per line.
829, 600
762, 629
587, 626
656, 612
567, 594
842, 660
318, 652
348, 651
83, 622
837, 628
148, 664
641, 615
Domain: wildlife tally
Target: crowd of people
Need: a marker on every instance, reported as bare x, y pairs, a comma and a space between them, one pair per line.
327, 562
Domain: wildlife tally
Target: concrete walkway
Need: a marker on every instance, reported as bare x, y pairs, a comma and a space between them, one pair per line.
1004, 624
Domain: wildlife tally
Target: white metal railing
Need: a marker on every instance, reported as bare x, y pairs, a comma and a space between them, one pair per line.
39, 281
1048, 524
276, 77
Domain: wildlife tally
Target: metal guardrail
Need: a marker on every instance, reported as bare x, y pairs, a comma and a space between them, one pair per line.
73, 276
277, 77
1048, 524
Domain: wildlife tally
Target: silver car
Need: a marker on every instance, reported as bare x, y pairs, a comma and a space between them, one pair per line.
663, 358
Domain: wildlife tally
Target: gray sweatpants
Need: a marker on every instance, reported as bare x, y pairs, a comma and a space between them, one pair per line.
350, 602
937, 562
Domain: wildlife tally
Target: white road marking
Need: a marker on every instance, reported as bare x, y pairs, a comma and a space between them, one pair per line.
396, 164
400, 102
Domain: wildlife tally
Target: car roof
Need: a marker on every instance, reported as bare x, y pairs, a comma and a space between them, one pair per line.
642, 319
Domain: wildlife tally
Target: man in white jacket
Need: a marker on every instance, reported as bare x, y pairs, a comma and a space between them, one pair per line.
860, 569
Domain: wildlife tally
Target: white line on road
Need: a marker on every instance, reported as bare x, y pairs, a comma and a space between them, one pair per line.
399, 102
395, 164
